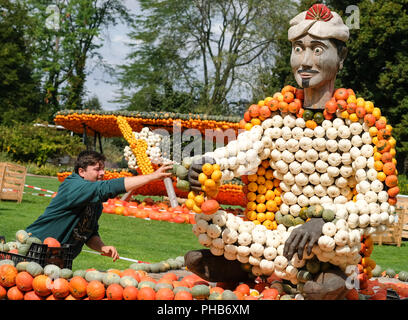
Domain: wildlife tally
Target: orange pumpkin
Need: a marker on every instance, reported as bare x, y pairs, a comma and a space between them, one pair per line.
130, 293
24, 281
383, 146
253, 111
3, 292
52, 242
389, 168
132, 273
95, 290
60, 288
210, 206
114, 292
42, 285
331, 106
369, 120
15, 293
8, 275
341, 94
77, 287
164, 294
146, 293
31, 295
183, 295
386, 157
393, 192
244, 288
270, 293
264, 112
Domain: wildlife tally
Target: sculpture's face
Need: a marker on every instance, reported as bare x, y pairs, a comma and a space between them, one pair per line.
314, 61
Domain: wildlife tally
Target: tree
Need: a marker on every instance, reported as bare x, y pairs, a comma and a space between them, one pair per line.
19, 89
65, 45
93, 103
200, 47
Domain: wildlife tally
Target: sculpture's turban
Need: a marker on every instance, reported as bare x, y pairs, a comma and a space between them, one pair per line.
319, 22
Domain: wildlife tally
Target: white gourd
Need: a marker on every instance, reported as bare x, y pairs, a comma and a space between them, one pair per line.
329, 229
229, 236
244, 238
326, 243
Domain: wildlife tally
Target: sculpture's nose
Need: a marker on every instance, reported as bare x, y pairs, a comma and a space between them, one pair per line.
307, 61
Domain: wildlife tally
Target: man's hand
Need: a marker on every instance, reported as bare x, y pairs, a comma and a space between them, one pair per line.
162, 172
309, 233
195, 169
110, 251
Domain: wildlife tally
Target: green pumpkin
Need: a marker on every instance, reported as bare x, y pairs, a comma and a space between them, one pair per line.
181, 172
200, 291
315, 211
34, 268
53, 271
390, 273
162, 285
12, 245
31, 240
66, 273
22, 236
288, 220
376, 272
183, 185
128, 281
110, 278
279, 217
7, 261
286, 297
22, 266
155, 267
79, 273
181, 288
228, 295
93, 275
298, 220
307, 114
215, 296
143, 284
318, 117
23, 249
328, 215
403, 276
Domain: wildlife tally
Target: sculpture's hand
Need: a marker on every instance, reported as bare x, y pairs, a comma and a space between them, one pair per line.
195, 169
309, 233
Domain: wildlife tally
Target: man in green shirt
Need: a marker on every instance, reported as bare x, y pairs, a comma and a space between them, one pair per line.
72, 216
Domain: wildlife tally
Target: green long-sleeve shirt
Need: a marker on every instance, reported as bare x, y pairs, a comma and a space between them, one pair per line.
72, 216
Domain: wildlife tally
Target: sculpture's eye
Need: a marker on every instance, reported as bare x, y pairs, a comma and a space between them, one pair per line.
298, 49
318, 51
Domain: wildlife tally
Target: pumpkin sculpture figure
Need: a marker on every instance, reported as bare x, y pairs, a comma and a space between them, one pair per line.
319, 165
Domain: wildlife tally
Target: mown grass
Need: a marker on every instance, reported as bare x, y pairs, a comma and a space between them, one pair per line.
138, 239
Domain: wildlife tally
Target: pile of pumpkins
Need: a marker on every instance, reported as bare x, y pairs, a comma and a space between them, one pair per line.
31, 281
22, 243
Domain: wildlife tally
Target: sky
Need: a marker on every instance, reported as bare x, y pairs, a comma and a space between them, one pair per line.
114, 52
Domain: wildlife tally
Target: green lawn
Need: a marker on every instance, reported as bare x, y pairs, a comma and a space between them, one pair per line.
138, 239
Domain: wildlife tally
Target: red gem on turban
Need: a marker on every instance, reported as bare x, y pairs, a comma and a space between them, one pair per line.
319, 12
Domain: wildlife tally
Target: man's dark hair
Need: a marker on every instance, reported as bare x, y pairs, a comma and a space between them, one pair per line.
88, 158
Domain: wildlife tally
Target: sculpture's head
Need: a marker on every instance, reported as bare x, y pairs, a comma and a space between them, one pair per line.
318, 39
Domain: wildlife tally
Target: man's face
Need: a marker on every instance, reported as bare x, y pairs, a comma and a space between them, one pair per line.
93, 173
314, 61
